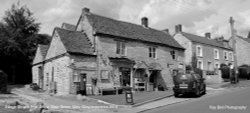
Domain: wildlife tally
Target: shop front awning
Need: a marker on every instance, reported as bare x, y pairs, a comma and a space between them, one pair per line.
155, 66
121, 59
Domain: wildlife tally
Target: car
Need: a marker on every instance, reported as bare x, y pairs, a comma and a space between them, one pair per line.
189, 83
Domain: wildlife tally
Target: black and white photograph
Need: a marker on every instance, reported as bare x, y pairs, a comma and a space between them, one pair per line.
124, 56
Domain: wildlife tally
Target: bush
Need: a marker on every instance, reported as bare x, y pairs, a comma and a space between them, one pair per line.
3, 82
244, 71
198, 71
225, 72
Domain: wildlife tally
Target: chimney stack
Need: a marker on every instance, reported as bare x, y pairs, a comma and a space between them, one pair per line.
144, 22
166, 31
248, 36
208, 35
85, 10
178, 28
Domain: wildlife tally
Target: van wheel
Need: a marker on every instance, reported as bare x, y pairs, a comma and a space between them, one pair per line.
197, 93
205, 91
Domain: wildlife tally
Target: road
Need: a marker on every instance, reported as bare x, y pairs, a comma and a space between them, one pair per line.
235, 100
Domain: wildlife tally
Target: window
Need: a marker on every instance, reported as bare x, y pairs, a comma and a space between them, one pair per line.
209, 66
216, 65
199, 50
225, 55
231, 57
152, 52
216, 54
76, 77
120, 48
173, 54
200, 64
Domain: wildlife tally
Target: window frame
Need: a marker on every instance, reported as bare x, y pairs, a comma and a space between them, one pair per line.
215, 65
121, 48
174, 54
201, 64
152, 52
201, 51
216, 56
232, 56
225, 58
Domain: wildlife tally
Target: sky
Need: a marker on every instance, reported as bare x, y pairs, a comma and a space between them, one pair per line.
195, 16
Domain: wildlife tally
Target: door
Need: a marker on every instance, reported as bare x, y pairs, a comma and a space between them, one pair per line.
153, 79
41, 78
83, 81
125, 76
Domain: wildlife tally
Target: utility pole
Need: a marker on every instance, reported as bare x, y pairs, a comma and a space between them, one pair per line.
233, 34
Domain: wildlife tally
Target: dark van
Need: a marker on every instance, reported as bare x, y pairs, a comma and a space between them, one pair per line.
188, 83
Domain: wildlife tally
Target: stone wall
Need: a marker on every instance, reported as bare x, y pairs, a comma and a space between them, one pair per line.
60, 69
208, 55
35, 73
139, 52
208, 52
242, 51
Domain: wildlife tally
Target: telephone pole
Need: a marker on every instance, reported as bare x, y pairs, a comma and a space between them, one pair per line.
233, 34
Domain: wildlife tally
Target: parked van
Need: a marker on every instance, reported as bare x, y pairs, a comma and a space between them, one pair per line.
188, 83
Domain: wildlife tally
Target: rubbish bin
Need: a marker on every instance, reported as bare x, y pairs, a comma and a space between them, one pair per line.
129, 95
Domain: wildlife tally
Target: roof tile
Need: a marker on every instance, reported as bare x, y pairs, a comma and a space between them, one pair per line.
75, 41
127, 30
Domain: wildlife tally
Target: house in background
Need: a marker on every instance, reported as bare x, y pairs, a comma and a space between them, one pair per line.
38, 65
210, 53
110, 54
242, 46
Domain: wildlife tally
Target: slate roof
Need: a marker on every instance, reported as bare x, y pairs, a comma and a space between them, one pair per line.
204, 40
75, 41
68, 26
43, 49
127, 30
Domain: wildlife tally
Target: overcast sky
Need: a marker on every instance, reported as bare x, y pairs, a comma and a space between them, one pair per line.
196, 16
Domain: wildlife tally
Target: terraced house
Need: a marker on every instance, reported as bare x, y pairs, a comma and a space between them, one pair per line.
210, 53
106, 54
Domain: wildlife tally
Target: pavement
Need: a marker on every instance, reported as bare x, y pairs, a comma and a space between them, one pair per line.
139, 98
111, 103
231, 100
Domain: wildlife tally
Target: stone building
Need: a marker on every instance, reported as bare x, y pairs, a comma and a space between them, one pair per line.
110, 53
210, 53
38, 64
242, 46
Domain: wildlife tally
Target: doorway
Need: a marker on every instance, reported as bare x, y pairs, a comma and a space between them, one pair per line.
125, 76
153, 79
40, 75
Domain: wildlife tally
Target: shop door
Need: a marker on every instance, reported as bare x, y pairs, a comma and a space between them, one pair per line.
125, 76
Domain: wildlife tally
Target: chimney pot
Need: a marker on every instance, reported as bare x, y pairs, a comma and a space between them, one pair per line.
178, 28
208, 35
144, 22
85, 10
